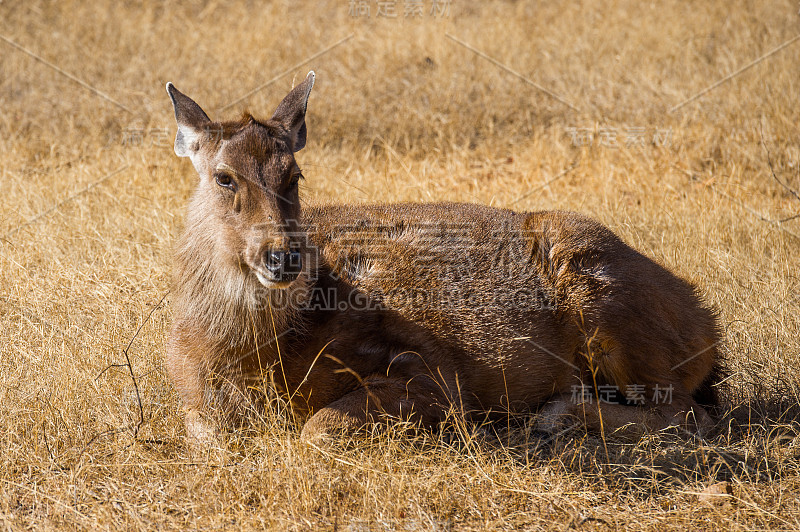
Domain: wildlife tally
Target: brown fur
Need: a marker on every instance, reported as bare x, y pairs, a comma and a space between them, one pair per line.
404, 311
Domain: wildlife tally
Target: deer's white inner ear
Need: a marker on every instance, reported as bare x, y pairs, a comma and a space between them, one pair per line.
186, 141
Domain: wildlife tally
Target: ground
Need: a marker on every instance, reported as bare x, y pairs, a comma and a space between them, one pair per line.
675, 123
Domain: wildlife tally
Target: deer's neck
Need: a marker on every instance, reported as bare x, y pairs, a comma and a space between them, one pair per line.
227, 300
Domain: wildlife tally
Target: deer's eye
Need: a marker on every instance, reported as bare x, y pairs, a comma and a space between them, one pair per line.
296, 177
225, 180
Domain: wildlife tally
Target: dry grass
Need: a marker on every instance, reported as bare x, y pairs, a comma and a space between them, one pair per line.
401, 112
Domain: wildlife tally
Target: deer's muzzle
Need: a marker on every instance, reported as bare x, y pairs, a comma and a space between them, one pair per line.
283, 266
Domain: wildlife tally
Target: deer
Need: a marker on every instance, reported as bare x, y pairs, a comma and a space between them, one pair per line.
378, 313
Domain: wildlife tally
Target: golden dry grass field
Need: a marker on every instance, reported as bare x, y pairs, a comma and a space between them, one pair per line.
596, 107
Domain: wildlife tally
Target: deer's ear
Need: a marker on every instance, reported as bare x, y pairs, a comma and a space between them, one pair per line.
192, 121
291, 112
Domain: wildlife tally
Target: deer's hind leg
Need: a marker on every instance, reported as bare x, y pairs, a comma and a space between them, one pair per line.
596, 415
636, 363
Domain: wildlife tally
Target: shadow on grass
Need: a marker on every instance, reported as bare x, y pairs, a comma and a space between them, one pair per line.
749, 444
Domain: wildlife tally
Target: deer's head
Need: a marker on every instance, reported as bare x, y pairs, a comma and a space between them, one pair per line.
248, 182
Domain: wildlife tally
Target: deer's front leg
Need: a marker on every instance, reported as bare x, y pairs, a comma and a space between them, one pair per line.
379, 399
187, 364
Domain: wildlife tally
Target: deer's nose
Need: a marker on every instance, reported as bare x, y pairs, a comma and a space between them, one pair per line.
283, 265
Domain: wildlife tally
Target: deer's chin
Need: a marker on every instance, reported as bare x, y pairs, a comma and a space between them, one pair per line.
270, 284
